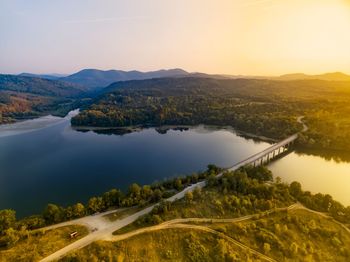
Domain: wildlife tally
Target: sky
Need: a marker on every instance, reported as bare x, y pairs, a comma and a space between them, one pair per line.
237, 37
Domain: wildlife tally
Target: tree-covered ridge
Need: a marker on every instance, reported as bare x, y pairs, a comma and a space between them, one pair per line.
39, 86
27, 97
261, 107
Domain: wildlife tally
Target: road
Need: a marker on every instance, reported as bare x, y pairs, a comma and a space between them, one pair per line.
105, 227
300, 120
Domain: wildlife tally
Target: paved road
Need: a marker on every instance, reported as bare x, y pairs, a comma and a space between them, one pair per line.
300, 120
107, 227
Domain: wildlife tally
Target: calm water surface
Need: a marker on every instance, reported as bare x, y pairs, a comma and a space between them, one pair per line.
60, 165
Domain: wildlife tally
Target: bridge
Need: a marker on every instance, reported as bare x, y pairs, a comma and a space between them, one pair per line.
271, 152
268, 154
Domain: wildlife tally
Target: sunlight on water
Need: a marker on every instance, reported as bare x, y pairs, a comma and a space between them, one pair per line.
316, 175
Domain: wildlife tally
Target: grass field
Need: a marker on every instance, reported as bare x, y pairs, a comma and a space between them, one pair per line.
40, 243
164, 245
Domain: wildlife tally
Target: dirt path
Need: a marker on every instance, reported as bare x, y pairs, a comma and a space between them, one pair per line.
195, 227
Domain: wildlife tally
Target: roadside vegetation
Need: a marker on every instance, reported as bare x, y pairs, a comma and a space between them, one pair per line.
25, 245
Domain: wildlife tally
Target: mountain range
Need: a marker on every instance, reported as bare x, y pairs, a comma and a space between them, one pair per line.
94, 79
336, 76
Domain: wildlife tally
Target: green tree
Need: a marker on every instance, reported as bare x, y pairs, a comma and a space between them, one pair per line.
157, 195
53, 214
178, 184
7, 219
95, 204
189, 197
134, 191
112, 198
11, 236
78, 210
295, 189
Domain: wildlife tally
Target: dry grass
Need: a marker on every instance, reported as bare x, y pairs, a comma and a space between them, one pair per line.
41, 243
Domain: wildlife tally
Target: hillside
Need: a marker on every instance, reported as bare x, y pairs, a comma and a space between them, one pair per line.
257, 106
44, 76
27, 97
93, 78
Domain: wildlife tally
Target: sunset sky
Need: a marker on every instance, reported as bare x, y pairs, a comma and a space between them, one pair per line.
250, 37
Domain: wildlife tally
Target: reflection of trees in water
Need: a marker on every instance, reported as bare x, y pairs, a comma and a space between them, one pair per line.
118, 132
329, 155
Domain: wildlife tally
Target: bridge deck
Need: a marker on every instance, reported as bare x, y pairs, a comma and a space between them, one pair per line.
263, 153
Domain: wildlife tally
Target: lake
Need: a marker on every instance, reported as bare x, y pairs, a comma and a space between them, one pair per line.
49, 162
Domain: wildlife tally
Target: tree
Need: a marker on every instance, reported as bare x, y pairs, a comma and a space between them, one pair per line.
197, 192
7, 219
146, 192
189, 197
134, 190
295, 189
11, 236
178, 184
78, 210
112, 198
95, 204
157, 195
53, 214
267, 248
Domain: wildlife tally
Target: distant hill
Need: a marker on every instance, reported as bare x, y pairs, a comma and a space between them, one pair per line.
337, 76
39, 86
23, 97
44, 76
95, 79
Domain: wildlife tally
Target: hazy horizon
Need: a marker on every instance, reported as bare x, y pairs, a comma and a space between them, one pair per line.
170, 68
255, 37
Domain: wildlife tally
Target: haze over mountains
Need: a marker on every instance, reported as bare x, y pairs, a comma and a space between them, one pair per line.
95, 79
336, 76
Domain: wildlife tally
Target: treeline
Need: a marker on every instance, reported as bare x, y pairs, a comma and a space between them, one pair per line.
262, 107
12, 230
192, 101
248, 190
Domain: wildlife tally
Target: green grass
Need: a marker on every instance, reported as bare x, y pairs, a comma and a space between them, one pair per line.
40, 244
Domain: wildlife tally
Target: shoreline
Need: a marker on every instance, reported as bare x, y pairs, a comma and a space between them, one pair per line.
165, 128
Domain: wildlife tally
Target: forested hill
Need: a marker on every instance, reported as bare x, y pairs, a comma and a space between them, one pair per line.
27, 97
258, 106
39, 86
